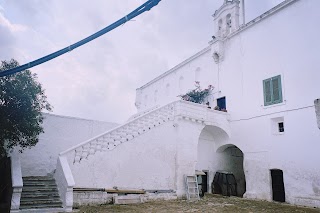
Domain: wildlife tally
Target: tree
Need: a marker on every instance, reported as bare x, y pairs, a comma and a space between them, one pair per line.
22, 99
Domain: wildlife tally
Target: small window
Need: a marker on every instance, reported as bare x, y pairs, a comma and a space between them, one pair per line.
272, 91
277, 125
280, 127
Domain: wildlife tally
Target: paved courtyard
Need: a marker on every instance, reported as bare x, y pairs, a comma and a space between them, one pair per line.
210, 203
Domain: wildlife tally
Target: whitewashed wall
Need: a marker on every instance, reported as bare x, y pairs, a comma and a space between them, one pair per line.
177, 81
271, 47
156, 160
284, 43
60, 134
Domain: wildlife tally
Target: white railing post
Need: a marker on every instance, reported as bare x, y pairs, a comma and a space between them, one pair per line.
17, 183
65, 183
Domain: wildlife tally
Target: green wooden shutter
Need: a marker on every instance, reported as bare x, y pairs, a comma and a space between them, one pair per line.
276, 90
267, 92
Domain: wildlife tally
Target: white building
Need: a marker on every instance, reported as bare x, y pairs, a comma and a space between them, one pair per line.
265, 73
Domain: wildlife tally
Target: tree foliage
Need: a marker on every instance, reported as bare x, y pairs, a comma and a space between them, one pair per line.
197, 95
22, 99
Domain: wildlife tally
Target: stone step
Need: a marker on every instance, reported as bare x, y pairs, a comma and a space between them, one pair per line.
43, 210
37, 178
39, 206
41, 202
40, 194
39, 183
39, 189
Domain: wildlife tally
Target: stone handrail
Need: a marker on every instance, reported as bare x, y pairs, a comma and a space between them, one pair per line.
202, 114
139, 114
122, 133
17, 182
65, 183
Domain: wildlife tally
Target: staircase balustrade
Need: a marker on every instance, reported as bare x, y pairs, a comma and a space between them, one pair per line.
140, 125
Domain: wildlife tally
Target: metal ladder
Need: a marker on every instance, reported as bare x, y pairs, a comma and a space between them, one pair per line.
192, 187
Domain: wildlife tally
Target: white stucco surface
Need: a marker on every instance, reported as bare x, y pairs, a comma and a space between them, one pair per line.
61, 132
163, 142
131, 164
280, 42
65, 183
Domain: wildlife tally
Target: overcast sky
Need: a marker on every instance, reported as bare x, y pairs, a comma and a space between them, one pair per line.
98, 80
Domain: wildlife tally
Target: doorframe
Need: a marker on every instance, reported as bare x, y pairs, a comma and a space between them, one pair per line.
271, 189
208, 180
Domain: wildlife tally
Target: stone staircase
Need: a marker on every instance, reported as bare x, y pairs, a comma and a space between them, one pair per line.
124, 133
40, 194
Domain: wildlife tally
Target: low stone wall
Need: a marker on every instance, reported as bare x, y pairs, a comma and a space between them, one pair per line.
81, 198
317, 106
91, 198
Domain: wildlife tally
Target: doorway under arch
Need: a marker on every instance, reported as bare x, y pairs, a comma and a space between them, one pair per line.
229, 160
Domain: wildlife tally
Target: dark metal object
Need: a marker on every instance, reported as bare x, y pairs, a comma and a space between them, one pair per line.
224, 183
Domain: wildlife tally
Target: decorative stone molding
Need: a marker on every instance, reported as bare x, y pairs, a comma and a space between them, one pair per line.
317, 107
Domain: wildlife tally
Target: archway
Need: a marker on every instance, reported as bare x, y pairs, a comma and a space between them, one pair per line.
230, 161
210, 138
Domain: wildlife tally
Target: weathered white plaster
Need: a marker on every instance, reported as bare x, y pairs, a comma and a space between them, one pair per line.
170, 146
61, 132
17, 183
163, 142
268, 46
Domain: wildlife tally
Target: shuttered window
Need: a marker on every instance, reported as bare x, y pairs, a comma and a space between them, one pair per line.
272, 90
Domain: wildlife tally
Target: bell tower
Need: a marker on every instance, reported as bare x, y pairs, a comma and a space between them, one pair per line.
226, 18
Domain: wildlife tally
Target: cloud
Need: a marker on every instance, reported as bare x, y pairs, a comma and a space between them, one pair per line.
11, 27
98, 80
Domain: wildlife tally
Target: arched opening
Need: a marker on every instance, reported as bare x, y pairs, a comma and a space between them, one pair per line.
228, 24
220, 27
210, 138
229, 178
